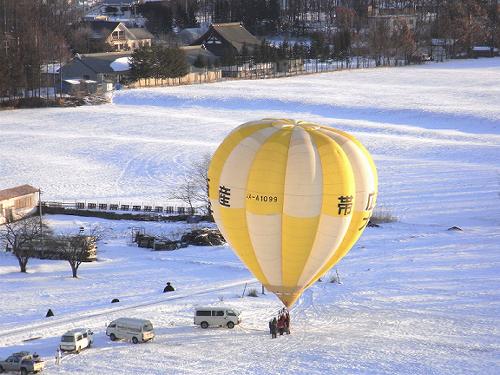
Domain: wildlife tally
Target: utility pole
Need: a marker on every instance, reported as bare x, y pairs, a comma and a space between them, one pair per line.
40, 215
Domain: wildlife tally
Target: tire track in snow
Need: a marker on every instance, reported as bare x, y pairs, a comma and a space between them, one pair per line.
13, 336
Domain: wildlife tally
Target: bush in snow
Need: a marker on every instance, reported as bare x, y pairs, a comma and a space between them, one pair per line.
252, 293
382, 215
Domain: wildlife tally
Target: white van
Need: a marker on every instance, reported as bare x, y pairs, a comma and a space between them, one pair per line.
130, 329
76, 340
216, 317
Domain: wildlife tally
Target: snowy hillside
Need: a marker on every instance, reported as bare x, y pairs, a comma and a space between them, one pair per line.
415, 298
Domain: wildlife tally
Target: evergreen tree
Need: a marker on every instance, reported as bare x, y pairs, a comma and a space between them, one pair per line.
200, 62
159, 16
228, 57
141, 63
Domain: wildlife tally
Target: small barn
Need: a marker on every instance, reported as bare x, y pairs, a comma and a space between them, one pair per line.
18, 202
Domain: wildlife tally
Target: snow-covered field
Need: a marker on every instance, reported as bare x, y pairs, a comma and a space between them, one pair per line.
415, 298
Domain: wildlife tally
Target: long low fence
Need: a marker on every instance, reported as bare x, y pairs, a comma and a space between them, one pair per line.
124, 207
297, 67
189, 79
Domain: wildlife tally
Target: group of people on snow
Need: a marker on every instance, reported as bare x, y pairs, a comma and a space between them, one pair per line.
281, 324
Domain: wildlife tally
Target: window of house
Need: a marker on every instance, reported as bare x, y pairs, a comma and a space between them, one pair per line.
23, 202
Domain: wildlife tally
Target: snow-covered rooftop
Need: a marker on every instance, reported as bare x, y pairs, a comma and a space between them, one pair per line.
121, 64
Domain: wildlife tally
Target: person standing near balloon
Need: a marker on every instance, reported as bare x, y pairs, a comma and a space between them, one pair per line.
286, 315
281, 324
274, 327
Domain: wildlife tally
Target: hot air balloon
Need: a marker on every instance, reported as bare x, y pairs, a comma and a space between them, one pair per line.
291, 198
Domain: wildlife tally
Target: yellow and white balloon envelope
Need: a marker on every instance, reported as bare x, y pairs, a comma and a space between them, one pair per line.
291, 198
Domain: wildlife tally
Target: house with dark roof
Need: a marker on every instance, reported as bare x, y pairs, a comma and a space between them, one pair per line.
222, 37
119, 36
18, 202
101, 68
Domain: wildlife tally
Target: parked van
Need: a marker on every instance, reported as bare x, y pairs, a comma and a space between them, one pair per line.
216, 317
76, 340
130, 329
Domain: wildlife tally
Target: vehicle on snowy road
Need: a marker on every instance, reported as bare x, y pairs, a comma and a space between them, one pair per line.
216, 317
22, 362
76, 340
136, 330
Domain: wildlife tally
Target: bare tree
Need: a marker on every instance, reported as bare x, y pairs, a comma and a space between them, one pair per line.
76, 249
379, 40
23, 237
193, 189
403, 41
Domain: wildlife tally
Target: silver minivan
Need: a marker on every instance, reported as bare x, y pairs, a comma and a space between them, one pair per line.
216, 317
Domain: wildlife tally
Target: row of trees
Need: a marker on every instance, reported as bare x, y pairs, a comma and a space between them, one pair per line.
32, 34
28, 237
159, 62
349, 26
36, 33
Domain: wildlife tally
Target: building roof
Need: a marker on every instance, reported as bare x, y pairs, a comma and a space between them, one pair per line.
101, 29
17, 191
140, 33
189, 35
192, 53
101, 62
234, 33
